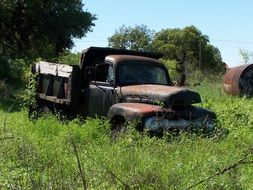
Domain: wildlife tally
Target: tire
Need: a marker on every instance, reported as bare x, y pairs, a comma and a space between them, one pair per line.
38, 111
118, 127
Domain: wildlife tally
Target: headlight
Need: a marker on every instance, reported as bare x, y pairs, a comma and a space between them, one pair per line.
152, 124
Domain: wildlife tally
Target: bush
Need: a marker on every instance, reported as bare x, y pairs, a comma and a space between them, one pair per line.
14, 70
19, 69
69, 58
4, 67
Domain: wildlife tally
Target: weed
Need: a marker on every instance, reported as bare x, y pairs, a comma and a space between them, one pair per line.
42, 154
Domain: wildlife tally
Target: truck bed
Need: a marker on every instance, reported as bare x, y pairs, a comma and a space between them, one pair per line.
57, 83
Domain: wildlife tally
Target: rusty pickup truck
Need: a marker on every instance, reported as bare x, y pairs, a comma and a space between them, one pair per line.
123, 86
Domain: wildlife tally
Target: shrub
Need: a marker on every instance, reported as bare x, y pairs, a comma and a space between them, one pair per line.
69, 58
19, 69
4, 67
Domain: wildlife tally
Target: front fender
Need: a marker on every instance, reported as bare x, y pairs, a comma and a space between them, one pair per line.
133, 111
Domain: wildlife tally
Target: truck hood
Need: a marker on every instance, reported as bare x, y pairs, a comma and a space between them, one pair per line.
169, 95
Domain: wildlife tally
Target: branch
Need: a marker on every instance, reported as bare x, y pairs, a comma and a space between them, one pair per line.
226, 169
79, 164
109, 171
101, 165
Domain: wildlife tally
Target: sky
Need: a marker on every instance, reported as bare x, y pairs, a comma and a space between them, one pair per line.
226, 22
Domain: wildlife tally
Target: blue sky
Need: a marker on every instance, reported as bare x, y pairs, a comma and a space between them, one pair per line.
226, 22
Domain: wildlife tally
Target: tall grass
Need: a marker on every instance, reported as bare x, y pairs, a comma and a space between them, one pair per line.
52, 154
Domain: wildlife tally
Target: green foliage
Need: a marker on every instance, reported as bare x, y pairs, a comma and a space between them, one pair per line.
29, 102
19, 69
14, 70
69, 58
190, 48
4, 67
37, 28
137, 38
246, 55
41, 154
212, 61
171, 66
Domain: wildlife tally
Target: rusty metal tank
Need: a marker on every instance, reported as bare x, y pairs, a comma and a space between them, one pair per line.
239, 80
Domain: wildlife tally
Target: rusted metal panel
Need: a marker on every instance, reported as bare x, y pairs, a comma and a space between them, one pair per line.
160, 93
115, 59
54, 99
239, 80
133, 111
140, 108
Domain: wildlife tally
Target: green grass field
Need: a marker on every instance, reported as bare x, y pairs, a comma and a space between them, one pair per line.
50, 154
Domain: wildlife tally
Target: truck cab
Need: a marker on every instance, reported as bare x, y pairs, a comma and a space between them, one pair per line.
119, 71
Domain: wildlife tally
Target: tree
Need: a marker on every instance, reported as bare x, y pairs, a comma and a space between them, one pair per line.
190, 48
246, 55
212, 60
41, 28
137, 38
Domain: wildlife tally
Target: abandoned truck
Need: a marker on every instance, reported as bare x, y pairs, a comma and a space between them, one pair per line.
123, 86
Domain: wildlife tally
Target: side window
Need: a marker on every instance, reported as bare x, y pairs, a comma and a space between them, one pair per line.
110, 74
104, 73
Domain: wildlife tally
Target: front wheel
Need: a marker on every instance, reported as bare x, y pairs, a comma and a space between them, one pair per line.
118, 127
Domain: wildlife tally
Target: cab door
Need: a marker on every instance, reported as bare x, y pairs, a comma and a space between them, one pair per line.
101, 90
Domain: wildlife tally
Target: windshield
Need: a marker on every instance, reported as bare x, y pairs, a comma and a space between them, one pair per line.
142, 73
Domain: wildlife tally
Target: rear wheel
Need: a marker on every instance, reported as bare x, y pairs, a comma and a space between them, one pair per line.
38, 110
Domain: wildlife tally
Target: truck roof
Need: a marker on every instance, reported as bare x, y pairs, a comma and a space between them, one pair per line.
121, 58
90, 54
